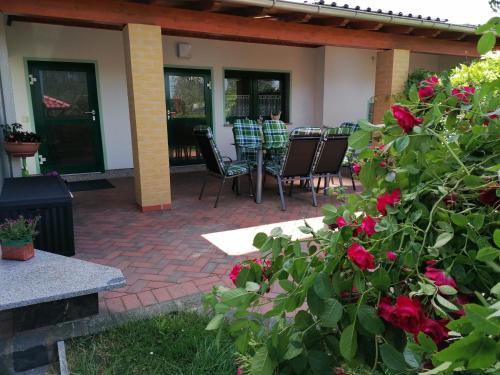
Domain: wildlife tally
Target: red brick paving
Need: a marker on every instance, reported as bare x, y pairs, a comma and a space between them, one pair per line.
162, 254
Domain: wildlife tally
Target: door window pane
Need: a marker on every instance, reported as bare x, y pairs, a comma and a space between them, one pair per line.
187, 97
64, 94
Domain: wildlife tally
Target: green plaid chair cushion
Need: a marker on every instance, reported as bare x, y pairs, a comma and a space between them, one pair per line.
273, 168
237, 168
346, 128
275, 140
306, 131
247, 133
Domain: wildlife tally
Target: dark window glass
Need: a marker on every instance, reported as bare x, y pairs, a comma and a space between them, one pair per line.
255, 95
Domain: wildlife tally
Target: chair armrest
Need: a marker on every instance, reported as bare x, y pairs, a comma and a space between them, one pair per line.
227, 157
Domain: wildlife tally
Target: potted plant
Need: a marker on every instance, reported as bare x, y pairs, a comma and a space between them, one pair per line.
17, 236
20, 143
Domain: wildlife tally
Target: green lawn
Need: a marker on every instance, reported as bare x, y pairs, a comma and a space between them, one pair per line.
175, 344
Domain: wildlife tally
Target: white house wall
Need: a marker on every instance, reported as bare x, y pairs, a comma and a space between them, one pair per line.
329, 85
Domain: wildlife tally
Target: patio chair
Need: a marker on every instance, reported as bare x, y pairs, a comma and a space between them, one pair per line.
329, 157
216, 166
276, 138
247, 133
297, 161
345, 129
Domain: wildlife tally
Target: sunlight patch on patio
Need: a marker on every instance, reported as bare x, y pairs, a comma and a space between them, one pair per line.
239, 241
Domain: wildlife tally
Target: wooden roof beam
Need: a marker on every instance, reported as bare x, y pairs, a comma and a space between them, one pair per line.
337, 21
294, 17
366, 25
251, 11
428, 33
397, 29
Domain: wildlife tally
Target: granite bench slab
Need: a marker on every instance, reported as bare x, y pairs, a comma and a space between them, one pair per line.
50, 277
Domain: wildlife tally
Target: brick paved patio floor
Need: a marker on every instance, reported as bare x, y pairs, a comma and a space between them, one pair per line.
162, 254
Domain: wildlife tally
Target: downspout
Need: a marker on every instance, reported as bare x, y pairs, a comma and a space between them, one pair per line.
316, 9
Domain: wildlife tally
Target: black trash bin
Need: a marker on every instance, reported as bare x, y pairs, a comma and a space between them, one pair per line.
49, 198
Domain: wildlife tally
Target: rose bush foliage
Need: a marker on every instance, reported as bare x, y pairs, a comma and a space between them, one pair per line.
404, 278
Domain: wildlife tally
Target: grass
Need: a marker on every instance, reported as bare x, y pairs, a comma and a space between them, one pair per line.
174, 344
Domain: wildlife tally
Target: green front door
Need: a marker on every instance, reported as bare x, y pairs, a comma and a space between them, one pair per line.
189, 103
66, 114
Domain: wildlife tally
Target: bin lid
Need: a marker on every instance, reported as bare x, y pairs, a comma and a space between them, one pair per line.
25, 191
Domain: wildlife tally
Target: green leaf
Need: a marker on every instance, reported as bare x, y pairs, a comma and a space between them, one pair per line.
459, 220
368, 318
392, 358
294, 349
473, 181
276, 232
259, 240
486, 42
413, 93
329, 209
476, 349
496, 237
401, 143
322, 286
477, 220
286, 285
359, 139
261, 363
496, 289
413, 359
443, 239
487, 254
252, 287
478, 316
368, 126
331, 313
349, 342
437, 370
215, 322
426, 343
380, 279
319, 362
447, 290
445, 303
234, 297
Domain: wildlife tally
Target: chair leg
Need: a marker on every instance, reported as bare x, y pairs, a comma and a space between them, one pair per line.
352, 180
327, 183
313, 191
220, 191
318, 185
250, 181
340, 177
291, 188
282, 197
203, 186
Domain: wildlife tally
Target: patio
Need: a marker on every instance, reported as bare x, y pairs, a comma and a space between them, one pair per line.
163, 254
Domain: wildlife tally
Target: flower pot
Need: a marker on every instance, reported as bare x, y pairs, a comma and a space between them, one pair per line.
18, 249
21, 149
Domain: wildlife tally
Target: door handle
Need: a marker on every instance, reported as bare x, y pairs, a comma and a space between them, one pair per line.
91, 113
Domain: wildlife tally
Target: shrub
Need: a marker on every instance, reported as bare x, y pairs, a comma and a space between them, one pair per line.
19, 229
484, 70
405, 275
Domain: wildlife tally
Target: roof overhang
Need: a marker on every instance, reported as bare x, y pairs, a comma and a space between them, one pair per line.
263, 21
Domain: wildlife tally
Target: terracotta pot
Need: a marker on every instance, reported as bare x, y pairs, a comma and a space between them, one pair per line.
18, 249
21, 149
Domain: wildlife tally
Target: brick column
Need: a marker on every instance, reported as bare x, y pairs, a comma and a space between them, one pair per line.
391, 75
148, 118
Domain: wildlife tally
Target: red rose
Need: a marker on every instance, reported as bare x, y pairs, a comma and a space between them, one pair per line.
340, 371
368, 226
383, 164
425, 93
406, 120
340, 221
435, 329
238, 371
486, 121
406, 314
361, 257
450, 200
489, 196
388, 199
235, 272
356, 168
463, 93
391, 255
439, 277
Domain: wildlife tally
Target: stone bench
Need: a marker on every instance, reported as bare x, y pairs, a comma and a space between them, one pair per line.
45, 291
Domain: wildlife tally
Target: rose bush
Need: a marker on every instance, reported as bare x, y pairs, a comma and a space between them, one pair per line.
404, 278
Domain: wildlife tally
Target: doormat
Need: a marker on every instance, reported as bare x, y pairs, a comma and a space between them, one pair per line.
89, 185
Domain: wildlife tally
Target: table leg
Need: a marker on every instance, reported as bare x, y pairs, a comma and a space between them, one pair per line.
258, 187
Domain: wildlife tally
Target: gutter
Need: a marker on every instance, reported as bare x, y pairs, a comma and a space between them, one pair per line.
322, 10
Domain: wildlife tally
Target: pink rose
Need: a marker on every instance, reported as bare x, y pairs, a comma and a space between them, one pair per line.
340, 221
361, 257
426, 88
435, 329
388, 199
356, 168
406, 120
391, 255
368, 226
406, 314
439, 277
463, 94
233, 275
